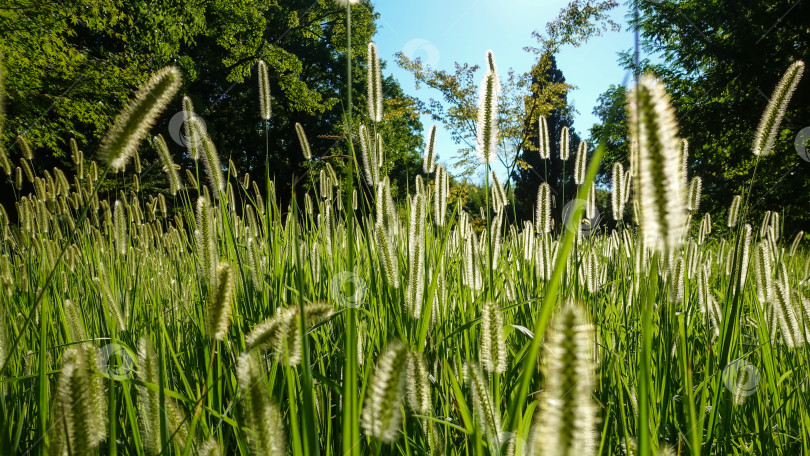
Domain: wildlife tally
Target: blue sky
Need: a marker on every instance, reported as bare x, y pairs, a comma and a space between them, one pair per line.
445, 31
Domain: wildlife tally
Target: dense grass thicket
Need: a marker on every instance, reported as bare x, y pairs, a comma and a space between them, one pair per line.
211, 320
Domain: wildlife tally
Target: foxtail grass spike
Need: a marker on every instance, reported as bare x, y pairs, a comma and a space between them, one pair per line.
213, 167
191, 139
303, 141
492, 348
617, 195
168, 164
121, 224
382, 417
441, 189
543, 216
206, 237
794, 246
487, 128
565, 144
566, 417
25, 148
765, 137
693, 201
499, 197
484, 407
734, 211
416, 254
369, 155
140, 114
218, 317
148, 399
388, 256
658, 165
374, 81
429, 159
264, 91
80, 413
581, 162
543, 141
263, 417
418, 386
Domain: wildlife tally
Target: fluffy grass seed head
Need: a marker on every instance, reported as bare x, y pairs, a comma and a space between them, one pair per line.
191, 139
565, 143
429, 159
499, 197
388, 256
418, 385
264, 91
303, 141
281, 331
485, 409
368, 149
80, 411
381, 417
140, 114
581, 162
218, 317
543, 216
441, 190
661, 195
617, 199
374, 84
168, 164
543, 142
206, 237
693, 200
416, 257
213, 167
566, 417
734, 211
263, 417
794, 246
121, 223
492, 348
765, 136
487, 127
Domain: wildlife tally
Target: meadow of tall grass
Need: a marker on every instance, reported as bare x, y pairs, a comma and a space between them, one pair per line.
208, 319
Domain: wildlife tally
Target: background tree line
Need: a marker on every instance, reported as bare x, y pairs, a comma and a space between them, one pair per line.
70, 66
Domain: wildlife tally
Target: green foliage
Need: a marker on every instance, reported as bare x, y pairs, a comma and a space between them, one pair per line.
721, 61
69, 68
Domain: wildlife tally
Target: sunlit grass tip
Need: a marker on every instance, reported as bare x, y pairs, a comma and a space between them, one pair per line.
487, 127
264, 91
657, 163
765, 136
139, 115
374, 84
382, 417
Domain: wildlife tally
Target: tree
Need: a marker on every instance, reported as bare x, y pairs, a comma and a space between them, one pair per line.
71, 66
721, 61
612, 129
533, 170
524, 98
